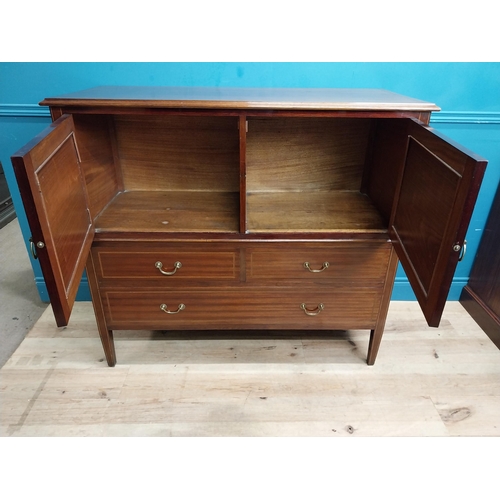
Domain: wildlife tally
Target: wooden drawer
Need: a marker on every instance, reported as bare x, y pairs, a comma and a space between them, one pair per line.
167, 264
242, 308
338, 261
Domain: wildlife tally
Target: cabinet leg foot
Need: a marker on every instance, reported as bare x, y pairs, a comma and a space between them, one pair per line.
105, 334
375, 339
108, 345
376, 334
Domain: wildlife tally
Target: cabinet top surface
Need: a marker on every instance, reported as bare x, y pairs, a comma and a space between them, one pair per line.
243, 98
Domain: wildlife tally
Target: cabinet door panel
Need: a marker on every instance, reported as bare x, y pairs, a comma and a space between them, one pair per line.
436, 193
53, 192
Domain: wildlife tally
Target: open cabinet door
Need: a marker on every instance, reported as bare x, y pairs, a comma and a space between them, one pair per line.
435, 197
55, 199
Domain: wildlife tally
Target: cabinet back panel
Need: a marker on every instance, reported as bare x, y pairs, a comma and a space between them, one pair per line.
97, 163
302, 154
178, 153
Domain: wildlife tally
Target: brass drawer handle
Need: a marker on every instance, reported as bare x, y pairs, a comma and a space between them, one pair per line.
326, 265
312, 312
159, 265
180, 308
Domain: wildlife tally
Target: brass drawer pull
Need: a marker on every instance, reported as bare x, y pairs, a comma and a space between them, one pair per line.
326, 265
312, 312
159, 265
164, 308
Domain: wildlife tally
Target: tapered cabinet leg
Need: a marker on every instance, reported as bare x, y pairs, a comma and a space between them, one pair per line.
105, 333
373, 346
378, 331
108, 345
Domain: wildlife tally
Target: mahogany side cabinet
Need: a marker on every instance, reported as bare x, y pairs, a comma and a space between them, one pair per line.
258, 209
481, 296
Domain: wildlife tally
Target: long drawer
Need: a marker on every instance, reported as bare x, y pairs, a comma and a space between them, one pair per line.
338, 261
242, 308
167, 265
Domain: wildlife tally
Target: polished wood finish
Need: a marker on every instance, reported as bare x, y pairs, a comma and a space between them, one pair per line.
377, 332
304, 154
242, 128
105, 333
242, 98
176, 153
54, 194
313, 211
97, 161
200, 262
234, 190
428, 226
481, 295
347, 262
384, 163
243, 308
171, 211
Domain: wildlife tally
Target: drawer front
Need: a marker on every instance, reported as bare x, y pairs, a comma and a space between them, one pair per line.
339, 262
167, 265
242, 308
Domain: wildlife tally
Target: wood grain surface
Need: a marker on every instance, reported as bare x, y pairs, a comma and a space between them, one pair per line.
242, 98
315, 211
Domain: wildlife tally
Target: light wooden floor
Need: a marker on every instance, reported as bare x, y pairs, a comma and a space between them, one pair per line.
426, 382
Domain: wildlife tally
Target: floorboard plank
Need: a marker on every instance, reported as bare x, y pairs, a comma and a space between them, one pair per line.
426, 381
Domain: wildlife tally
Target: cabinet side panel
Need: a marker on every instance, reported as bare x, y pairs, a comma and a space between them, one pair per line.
386, 163
97, 162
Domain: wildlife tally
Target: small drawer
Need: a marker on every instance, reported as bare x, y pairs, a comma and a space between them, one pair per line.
338, 261
167, 265
242, 308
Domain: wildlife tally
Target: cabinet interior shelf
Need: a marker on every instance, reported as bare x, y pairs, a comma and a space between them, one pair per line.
218, 212
171, 211
318, 211
189, 174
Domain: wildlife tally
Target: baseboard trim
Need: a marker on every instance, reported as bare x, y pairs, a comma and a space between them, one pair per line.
24, 110
457, 117
466, 117
402, 289
82, 295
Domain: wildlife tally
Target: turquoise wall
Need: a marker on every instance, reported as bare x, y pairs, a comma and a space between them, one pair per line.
468, 94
